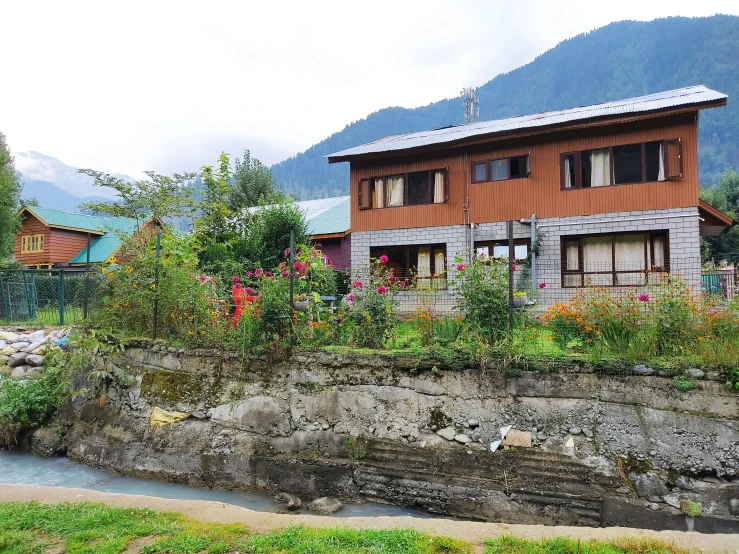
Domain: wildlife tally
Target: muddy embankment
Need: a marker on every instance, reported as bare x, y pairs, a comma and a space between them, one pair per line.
355, 426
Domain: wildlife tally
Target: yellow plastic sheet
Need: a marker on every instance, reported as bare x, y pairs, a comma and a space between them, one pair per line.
160, 418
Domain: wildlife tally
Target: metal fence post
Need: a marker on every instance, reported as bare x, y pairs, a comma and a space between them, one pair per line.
61, 297
156, 286
511, 262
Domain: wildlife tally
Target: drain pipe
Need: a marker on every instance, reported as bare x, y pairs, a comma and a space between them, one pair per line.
533, 253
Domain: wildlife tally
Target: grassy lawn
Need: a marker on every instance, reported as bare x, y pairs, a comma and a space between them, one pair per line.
78, 528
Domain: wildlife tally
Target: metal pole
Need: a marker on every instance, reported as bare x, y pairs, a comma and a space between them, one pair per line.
511, 261
156, 285
87, 273
61, 297
533, 253
292, 277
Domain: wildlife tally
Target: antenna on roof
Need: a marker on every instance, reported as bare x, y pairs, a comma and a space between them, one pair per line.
471, 103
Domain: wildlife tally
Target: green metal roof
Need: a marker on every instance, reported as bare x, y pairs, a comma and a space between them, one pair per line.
58, 218
101, 249
333, 220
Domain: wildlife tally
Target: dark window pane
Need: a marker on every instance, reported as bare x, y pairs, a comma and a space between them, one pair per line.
627, 164
586, 168
499, 169
519, 167
479, 172
653, 161
418, 188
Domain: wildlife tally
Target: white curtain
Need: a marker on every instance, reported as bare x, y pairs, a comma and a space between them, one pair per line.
395, 186
598, 256
440, 264
379, 193
659, 251
600, 168
568, 176
572, 253
438, 187
424, 262
661, 174
629, 251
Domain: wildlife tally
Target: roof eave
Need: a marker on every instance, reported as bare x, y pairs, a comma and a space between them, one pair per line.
583, 123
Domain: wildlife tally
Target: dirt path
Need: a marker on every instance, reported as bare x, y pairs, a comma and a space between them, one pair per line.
261, 521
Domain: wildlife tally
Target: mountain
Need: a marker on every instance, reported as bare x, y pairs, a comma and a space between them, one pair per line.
621, 60
51, 196
35, 166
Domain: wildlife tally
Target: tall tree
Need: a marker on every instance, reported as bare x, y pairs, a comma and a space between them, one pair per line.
159, 195
725, 197
10, 193
253, 184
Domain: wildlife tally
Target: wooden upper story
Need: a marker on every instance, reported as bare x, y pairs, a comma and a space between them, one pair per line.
615, 161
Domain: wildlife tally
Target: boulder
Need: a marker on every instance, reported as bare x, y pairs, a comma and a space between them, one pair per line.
25, 371
289, 501
462, 438
3, 343
7, 335
447, 433
17, 359
48, 442
643, 370
574, 430
35, 360
325, 505
684, 483
734, 506
648, 484
695, 373
8, 350
473, 423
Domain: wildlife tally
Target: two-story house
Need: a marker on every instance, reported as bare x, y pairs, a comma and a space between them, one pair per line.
612, 189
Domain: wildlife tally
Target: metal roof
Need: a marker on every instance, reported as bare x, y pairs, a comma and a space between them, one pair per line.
333, 220
82, 222
100, 249
690, 96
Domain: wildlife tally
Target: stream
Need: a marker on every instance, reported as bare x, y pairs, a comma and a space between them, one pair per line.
25, 468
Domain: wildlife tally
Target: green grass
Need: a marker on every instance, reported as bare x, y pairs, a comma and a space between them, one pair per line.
85, 528
507, 544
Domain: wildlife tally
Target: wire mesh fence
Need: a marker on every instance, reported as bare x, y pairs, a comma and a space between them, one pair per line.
46, 297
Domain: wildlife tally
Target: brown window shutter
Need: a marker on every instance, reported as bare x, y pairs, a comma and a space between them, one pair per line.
673, 159
528, 164
365, 194
446, 185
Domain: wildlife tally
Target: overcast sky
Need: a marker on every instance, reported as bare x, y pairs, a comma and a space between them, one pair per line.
129, 86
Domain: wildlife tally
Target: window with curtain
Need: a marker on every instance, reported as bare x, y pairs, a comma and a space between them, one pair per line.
499, 248
626, 259
621, 165
405, 189
424, 265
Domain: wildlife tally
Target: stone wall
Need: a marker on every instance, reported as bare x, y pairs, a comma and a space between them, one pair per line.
367, 426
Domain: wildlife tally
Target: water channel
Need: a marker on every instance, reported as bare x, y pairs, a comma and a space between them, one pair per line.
24, 468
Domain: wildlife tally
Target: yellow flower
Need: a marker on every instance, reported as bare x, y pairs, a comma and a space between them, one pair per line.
190, 333
153, 286
202, 332
135, 286
129, 269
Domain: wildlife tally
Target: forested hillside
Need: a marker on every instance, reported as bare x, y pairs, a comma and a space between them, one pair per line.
620, 60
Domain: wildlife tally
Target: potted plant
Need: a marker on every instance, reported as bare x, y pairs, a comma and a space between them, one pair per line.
519, 299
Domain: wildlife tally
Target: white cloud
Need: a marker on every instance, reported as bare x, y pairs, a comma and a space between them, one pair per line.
167, 85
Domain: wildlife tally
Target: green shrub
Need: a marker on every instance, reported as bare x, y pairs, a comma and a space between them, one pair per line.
690, 508
683, 383
25, 404
483, 295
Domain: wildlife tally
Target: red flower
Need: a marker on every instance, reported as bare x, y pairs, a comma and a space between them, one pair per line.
350, 298
460, 267
258, 272
514, 266
284, 274
233, 279
382, 289
542, 285
249, 291
383, 259
357, 284
401, 283
268, 273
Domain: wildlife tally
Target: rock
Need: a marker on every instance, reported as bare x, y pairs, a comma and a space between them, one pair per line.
447, 433
325, 505
17, 359
587, 432
19, 346
570, 443
672, 500
707, 479
684, 483
3, 343
734, 506
290, 501
514, 437
655, 499
33, 346
462, 438
325, 426
695, 373
648, 484
7, 351
652, 506
24, 371
35, 360
541, 436
422, 444
473, 423
7, 335
476, 434
641, 369
48, 442
575, 430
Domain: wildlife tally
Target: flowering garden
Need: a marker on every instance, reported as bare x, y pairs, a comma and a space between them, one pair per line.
669, 324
